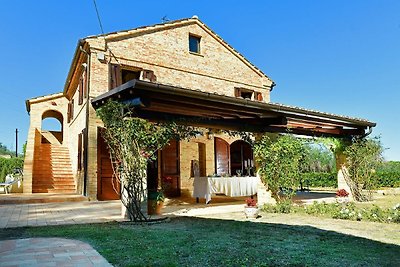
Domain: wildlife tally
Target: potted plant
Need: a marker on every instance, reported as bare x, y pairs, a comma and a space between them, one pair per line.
155, 202
342, 195
251, 208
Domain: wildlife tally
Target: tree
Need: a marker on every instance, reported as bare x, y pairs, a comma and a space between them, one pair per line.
133, 142
280, 163
363, 157
5, 151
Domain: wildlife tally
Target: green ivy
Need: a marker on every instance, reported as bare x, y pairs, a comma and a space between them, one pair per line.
132, 142
281, 161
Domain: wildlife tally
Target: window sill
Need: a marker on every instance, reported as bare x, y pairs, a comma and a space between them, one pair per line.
196, 54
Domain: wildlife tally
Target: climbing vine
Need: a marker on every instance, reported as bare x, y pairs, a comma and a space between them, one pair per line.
132, 143
280, 163
363, 157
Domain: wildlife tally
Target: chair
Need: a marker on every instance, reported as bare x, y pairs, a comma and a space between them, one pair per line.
9, 181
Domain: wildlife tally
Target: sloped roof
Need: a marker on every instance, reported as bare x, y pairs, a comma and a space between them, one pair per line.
39, 99
176, 23
162, 102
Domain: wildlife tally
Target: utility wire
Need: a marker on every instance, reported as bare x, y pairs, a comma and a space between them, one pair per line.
102, 32
98, 17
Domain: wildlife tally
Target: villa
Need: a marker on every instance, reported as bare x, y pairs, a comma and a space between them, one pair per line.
178, 69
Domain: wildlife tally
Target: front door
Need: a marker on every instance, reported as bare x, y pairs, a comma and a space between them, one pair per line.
108, 188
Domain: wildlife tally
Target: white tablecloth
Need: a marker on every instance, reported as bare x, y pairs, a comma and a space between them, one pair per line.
230, 186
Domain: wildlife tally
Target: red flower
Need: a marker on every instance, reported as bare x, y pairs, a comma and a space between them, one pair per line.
342, 193
251, 202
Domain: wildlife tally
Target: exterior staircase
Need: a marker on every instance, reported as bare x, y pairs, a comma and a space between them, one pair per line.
52, 170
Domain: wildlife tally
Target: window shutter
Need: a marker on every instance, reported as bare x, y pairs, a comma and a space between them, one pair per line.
85, 87
258, 96
222, 156
72, 110
80, 91
80, 151
69, 112
115, 76
237, 92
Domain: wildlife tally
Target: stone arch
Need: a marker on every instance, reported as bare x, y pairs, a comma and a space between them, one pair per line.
52, 136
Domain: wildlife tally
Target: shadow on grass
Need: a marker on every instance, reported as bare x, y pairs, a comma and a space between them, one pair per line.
185, 241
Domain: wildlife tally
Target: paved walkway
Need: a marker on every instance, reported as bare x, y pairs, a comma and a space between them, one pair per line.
48, 252
20, 215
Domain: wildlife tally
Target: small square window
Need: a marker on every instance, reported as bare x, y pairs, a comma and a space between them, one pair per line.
194, 44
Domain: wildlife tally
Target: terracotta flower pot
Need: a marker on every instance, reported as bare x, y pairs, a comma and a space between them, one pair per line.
154, 207
251, 212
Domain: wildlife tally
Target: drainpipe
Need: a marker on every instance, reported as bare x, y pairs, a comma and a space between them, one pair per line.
86, 133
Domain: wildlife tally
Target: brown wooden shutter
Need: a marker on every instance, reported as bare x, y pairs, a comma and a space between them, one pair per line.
115, 76
85, 86
72, 110
80, 91
258, 96
69, 112
237, 92
80, 151
170, 171
149, 75
222, 156
170, 156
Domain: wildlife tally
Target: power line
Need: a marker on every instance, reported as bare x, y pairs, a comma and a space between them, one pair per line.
102, 32
98, 17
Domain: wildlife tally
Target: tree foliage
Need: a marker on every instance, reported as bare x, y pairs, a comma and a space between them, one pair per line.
363, 157
280, 162
132, 142
5, 151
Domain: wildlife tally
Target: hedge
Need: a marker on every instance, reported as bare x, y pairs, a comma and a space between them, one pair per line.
319, 179
387, 179
7, 166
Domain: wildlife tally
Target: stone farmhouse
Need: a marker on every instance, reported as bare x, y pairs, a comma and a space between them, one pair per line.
177, 69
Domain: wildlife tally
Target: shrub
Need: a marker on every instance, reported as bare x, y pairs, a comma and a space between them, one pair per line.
285, 206
319, 179
7, 166
388, 175
344, 211
280, 161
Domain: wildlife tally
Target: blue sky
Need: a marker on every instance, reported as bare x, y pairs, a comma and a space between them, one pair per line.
336, 56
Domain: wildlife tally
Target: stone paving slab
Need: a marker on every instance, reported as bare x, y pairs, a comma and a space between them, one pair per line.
49, 252
20, 215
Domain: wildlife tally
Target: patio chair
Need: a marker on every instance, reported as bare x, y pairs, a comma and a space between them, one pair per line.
9, 181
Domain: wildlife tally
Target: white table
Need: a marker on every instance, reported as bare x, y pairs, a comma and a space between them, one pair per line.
204, 187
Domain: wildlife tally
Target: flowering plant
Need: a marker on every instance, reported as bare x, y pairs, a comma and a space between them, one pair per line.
342, 193
251, 202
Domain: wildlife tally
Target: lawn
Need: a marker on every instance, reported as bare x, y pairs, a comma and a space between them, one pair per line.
184, 241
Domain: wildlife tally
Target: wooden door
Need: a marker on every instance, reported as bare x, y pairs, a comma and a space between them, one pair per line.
170, 169
222, 156
108, 188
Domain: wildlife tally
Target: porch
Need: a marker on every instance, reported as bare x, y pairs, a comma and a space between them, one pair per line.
38, 210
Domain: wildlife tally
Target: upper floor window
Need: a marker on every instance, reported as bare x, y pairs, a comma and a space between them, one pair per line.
248, 94
120, 75
194, 44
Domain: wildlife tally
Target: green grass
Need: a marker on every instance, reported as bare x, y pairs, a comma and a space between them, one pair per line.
207, 242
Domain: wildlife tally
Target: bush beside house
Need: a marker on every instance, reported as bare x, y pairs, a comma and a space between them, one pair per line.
7, 165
